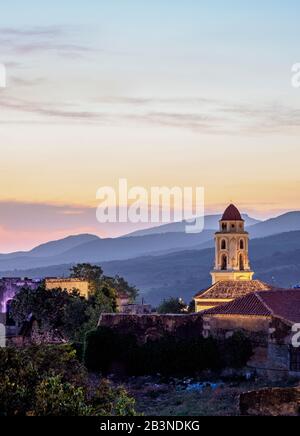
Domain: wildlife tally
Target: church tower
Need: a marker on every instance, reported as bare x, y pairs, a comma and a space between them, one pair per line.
231, 248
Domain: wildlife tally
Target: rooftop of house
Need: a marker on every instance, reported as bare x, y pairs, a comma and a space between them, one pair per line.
233, 289
282, 303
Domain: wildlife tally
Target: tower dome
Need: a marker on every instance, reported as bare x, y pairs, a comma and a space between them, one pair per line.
232, 214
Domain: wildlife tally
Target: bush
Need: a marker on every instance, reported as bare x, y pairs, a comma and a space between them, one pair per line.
103, 347
49, 380
107, 350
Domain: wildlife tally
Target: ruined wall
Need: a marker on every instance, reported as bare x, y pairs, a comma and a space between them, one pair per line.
82, 286
271, 402
9, 287
154, 326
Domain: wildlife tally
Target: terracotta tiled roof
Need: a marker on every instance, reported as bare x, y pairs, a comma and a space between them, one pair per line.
284, 304
231, 214
233, 289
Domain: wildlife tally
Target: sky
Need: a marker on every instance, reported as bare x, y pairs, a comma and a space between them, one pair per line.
160, 93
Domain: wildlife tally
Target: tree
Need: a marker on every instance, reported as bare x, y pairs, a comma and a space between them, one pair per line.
55, 309
55, 398
121, 285
67, 314
49, 380
92, 273
99, 302
172, 305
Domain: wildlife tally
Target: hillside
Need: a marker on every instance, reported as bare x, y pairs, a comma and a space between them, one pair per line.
275, 259
90, 248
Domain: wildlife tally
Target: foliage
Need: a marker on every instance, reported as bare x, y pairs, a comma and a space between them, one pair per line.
57, 309
110, 285
55, 398
106, 349
192, 307
86, 271
237, 350
49, 380
67, 313
109, 402
172, 305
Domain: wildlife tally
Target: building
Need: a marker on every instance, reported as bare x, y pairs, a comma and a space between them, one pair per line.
69, 285
231, 248
225, 291
232, 276
10, 286
267, 318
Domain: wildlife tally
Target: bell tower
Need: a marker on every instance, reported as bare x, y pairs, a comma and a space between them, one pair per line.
231, 248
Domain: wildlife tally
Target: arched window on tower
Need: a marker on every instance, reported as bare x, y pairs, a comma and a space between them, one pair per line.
242, 245
223, 244
242, 267
224, 227
224, 263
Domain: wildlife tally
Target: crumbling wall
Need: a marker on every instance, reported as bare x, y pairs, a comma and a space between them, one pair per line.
271, 402
154, 326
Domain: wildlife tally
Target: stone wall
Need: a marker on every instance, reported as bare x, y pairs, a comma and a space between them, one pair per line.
271, 402
154, 326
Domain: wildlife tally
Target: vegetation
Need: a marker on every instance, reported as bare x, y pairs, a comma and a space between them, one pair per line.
68, 314
49, 380
172, 305
106, 349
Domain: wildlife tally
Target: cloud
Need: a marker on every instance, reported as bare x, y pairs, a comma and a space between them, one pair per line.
46, 109
32, 31
40, 40
19, 81
195, 114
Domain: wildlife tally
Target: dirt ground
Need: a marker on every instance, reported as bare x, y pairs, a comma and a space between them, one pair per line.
184, 397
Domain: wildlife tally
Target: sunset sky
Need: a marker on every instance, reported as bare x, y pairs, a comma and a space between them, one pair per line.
174, 93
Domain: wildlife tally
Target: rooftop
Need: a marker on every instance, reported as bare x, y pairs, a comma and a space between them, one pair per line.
233, 289
232, 214
283, 304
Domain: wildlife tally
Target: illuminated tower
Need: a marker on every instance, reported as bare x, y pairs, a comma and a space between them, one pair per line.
231, 248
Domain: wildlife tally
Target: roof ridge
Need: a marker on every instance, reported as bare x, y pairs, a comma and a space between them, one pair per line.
264, 303
207, 290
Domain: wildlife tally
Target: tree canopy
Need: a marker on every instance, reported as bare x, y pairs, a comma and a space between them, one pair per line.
172, 305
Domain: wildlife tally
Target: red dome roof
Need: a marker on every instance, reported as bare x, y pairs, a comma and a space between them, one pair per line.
232, 214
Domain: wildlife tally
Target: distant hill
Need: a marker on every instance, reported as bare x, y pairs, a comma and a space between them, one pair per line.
275, 259
100, 250
156, 242
211, 222
53, 248
287, 222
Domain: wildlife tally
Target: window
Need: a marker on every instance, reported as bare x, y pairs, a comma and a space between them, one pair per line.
232, 226
295, 359
242, 245
224, 226
223, 245
241, 263
224, 263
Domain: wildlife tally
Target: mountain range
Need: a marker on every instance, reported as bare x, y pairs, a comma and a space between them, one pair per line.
165, 261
